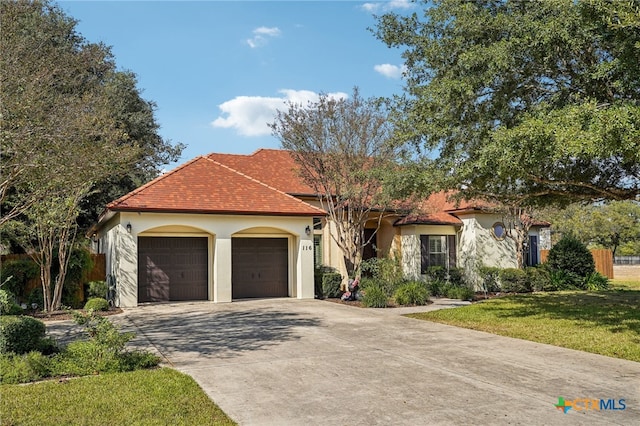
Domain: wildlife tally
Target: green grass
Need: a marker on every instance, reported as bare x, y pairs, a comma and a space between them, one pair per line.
145, 397
604, 322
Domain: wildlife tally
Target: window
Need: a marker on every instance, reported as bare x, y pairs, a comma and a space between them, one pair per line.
317, 250
437, 250
499, 231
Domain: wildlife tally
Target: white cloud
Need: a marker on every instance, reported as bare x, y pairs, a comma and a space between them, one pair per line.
390, 71
249, 115
261, 36
387, 6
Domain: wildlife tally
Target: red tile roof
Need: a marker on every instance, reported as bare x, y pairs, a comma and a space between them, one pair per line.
204, 185
275, 167
441, 209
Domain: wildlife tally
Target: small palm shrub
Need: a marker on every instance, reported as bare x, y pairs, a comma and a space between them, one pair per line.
96, 304
461, 293
597, 281
374, 297
412, 293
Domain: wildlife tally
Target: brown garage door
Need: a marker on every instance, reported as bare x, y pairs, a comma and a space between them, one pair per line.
260, 267
172, 268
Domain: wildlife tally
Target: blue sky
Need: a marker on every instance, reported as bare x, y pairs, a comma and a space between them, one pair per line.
218, 70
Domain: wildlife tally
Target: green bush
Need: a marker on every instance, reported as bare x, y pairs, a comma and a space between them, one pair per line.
318, 273
8, 305
331, 284
513, 280
437, 273
412, 293
97, 289
24, 368
462, 293
538, 278
490, 279
597, 281
456, 277
96, 304
20, 334
563, 280
572, 257
374, 297
436, 288
15, 274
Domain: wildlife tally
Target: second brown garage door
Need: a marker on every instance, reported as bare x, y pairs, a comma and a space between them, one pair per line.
260, 267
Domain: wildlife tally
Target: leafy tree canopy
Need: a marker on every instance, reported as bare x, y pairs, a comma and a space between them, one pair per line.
60, 95
614, 225
342, 148
535, 102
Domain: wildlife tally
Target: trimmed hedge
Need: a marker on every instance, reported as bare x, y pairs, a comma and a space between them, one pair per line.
21, 334
96, 304
331, 285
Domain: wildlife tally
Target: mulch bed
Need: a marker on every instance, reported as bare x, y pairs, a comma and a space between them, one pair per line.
67, 315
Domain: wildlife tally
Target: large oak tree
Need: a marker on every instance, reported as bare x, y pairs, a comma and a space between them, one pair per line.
523, 102
71, 125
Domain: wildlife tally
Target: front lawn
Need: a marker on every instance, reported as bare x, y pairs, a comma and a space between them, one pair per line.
145, 397
603, 322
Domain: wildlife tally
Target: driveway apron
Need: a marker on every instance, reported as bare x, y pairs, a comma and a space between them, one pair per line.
296, 362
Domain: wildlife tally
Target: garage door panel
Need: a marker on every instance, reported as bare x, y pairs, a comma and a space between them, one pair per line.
260, 267
172, 269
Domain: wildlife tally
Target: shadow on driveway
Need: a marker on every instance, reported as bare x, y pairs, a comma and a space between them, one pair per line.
221, 334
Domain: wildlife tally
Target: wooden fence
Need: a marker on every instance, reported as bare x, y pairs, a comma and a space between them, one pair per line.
98, 273
602, 258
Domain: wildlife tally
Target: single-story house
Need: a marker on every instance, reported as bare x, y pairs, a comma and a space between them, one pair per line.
224, 227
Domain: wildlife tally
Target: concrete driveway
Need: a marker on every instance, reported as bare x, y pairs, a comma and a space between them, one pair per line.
292, 362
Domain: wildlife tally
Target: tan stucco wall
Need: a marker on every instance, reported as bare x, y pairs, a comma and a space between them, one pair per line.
122, 259
410, 240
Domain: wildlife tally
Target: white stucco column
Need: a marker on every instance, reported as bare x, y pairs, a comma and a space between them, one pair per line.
126, 267
304, 270
222, 270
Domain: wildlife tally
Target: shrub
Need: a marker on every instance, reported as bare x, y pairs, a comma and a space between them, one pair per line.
20, 334
436, 288
15, 274
513, 280
80, 263
538, 278
24, 368
572, 256
103, 352
374, 297
490, 279
318, 273
462, 293
96, 304
97, 289
563, 280
436, 273
331, 284
386, 272
412, 293
597, 281
456, 277
8, 306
